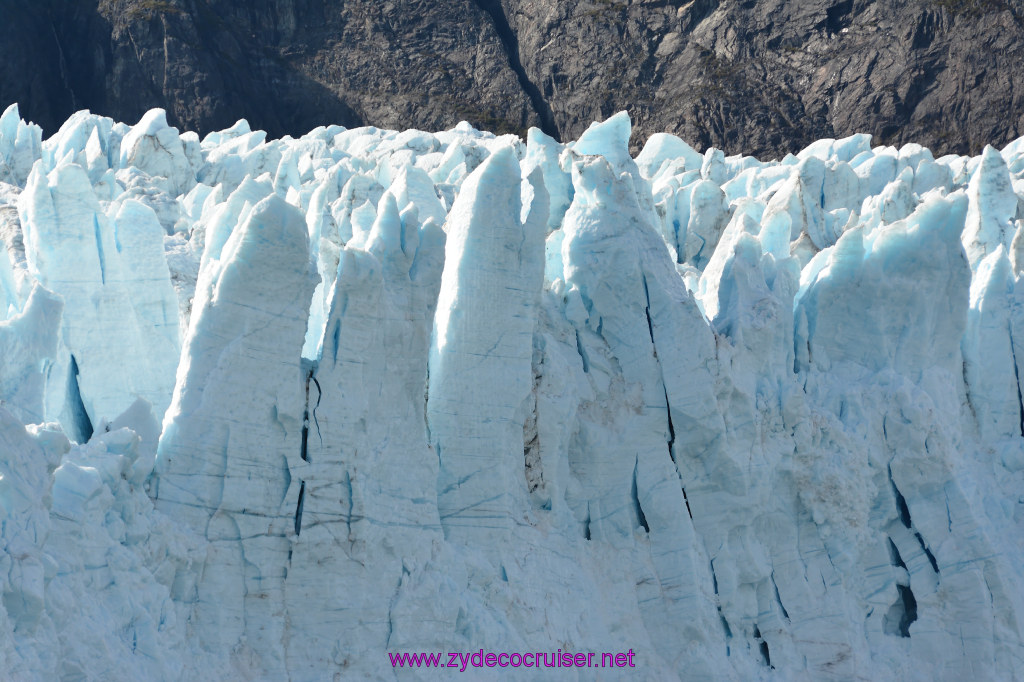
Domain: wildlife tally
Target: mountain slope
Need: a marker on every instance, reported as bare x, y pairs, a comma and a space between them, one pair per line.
764, 77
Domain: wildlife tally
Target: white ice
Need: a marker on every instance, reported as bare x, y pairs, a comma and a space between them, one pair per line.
271, 409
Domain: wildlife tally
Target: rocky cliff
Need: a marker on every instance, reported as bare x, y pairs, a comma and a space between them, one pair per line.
761, 76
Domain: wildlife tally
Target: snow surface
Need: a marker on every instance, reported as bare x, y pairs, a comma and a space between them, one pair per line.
272, 409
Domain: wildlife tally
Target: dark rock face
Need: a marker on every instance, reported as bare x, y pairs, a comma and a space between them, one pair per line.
759, 76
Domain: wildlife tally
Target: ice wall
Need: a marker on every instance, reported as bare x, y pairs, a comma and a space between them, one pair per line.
274, 408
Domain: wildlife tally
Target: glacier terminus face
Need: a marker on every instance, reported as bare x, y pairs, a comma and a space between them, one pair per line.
274, 409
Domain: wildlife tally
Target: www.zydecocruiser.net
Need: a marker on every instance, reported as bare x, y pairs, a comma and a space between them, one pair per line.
531, 659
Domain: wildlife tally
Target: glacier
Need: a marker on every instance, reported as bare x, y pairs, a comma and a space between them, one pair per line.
272, 409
